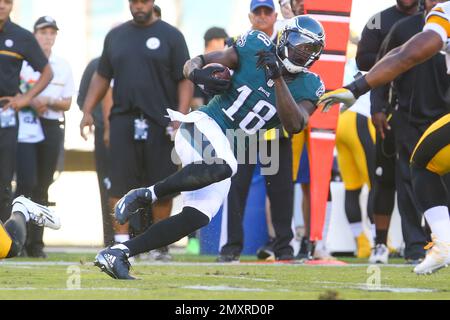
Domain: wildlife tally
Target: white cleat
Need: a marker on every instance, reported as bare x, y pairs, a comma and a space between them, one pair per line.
39, 214
380, 254
438, 257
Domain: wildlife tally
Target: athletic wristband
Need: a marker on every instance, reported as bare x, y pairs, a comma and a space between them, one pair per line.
359, 87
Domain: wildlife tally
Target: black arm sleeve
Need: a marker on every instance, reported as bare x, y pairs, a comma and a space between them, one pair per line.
379, 97
368, 48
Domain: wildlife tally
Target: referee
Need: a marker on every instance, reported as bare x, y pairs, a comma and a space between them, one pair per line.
16, 45
145, 56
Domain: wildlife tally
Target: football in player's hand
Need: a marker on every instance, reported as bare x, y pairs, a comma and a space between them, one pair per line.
223, 75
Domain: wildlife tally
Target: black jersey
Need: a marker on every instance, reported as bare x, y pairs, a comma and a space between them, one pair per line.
146, 64
373, 35
17, 45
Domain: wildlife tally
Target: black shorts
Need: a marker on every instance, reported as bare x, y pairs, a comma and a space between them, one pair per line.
136, 164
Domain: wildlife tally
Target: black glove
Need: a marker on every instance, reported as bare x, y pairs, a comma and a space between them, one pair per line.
269, 62
132, 203
205, 79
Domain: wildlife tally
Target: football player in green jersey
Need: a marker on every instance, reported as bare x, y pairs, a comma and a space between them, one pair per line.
271, 85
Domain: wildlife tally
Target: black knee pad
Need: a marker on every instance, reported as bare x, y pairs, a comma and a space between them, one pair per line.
383, 198
352, 208
429, 188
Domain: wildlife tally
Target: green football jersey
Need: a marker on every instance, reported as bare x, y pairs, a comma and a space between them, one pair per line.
250, 102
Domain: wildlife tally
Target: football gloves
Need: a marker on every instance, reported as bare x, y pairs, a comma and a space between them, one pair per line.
346, 95
268, 61
342, 95
132, 203
205, 79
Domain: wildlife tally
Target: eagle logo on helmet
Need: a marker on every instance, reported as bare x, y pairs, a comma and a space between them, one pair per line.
301, 43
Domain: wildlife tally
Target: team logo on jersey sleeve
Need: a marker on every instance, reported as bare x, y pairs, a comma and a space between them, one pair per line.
320, 92
9, 43
242, 40
153, 43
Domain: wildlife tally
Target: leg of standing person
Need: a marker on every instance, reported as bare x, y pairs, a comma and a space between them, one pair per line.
26, 169
383, 186
429, 163
301, 174
406, 138
127, 165
102, 168
48, 153
280, 190
353, 156
27, 178
158, 164
233, 214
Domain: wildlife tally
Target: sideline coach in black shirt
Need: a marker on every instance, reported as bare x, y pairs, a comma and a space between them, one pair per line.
16, 45
145, 57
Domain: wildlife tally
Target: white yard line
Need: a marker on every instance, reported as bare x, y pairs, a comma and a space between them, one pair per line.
193, 264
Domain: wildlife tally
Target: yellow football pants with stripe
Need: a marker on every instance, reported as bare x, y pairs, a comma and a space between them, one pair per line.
433, 149
5, 242
352, 158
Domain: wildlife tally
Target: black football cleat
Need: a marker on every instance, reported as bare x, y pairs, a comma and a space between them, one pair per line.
266, 251
131, 204
114, 262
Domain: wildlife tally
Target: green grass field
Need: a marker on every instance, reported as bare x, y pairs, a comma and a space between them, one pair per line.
72, 276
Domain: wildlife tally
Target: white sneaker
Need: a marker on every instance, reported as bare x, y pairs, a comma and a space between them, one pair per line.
40, 215
380, 254
438, 257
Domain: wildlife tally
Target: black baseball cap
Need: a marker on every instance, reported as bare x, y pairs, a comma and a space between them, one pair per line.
215, 33
45, 22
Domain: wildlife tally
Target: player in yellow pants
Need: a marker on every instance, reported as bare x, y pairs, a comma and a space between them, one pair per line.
14, 232
431, 157
355, 143
429, 162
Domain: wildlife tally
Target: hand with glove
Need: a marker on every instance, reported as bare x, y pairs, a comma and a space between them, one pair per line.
206, 80
268, 61
346, 95
132, 203
341, 95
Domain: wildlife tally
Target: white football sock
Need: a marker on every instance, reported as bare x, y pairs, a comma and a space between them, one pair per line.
326, 224
439, 220
373, 230
357, 229
120, 238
